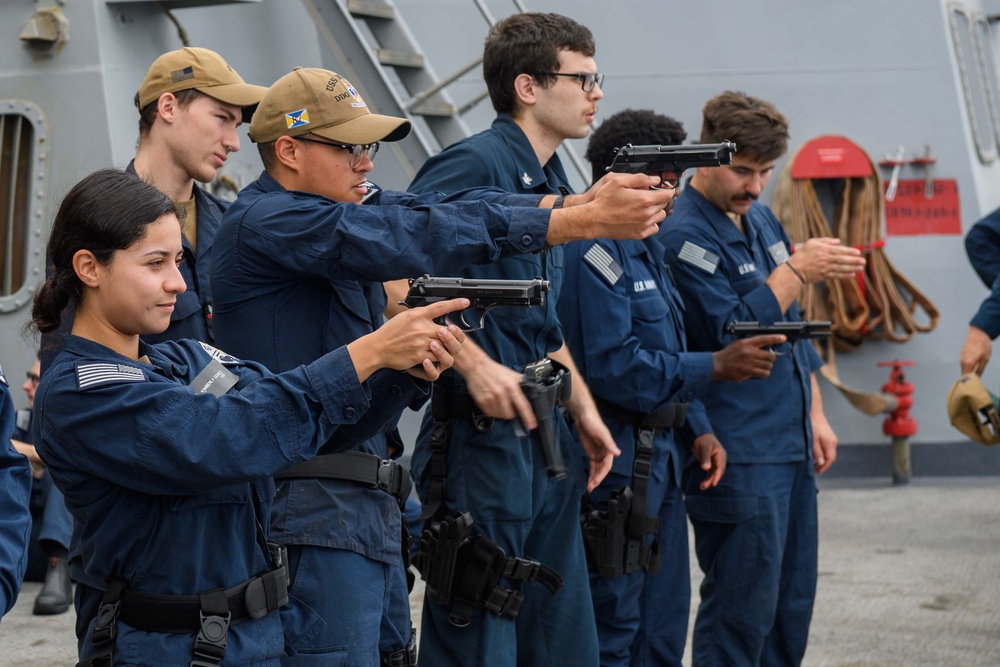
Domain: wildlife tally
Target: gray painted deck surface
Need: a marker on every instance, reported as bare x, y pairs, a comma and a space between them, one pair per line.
908, 577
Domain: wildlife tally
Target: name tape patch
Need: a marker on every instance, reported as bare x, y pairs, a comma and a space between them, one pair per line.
778, 252
214, 379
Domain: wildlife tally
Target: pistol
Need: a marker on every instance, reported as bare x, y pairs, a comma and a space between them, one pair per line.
484, 295
546, 383
793, 331
655, 159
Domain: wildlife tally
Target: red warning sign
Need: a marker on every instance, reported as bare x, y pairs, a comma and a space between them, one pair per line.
912, 213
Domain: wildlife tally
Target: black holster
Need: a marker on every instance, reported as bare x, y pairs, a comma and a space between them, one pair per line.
615, 538
604, 533
462, 571
545, 384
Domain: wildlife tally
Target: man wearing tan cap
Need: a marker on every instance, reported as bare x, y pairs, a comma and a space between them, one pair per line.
298, 267
190, 104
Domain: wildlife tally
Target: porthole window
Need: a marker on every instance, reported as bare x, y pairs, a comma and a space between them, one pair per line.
23, 156
989, 69
976, 99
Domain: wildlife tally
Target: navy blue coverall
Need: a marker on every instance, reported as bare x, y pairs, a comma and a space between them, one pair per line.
982, 245
171, 488
623, 322
499, 476
755, 533
296, 275
15, 519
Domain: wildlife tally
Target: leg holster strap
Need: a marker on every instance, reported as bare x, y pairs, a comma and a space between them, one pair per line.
463, 571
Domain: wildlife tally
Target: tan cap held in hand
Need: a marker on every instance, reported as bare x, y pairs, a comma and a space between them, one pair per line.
321, 102
201, 69
973, 410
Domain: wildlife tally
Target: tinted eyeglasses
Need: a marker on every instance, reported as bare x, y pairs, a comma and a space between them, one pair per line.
357, 151
587, 79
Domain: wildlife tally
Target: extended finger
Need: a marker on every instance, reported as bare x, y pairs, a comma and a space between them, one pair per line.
442, 308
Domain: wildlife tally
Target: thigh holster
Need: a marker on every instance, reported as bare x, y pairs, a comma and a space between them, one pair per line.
463, 571
616, 538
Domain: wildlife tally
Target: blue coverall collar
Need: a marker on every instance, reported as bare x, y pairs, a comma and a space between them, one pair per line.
529, 172
84, 347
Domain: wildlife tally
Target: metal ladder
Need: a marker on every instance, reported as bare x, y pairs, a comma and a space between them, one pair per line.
378, 53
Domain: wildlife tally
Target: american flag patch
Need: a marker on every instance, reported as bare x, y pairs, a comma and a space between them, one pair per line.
93, 375
602, 262
695, 255
182, 74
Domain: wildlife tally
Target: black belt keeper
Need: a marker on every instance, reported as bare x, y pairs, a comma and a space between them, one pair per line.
671, 415
361, 467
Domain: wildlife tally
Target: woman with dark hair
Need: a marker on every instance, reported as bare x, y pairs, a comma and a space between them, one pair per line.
165, 452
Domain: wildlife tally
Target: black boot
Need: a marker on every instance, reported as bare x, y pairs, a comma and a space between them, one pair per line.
56, 594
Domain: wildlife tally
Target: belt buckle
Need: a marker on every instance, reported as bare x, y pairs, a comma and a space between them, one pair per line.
539, 370
387, 477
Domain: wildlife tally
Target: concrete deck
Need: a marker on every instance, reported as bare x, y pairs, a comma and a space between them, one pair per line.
908, 576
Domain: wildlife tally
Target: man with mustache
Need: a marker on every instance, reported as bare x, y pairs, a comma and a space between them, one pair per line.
756, 532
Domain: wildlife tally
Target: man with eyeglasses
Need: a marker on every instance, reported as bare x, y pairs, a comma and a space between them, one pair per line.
298, 266
756, 532
544, 85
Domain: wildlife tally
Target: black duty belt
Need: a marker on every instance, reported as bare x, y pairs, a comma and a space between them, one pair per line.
671, 415
181, 614
454, 404
360, 467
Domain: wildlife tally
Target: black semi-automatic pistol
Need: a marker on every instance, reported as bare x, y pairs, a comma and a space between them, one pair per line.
484, 295
793, 331
655, 159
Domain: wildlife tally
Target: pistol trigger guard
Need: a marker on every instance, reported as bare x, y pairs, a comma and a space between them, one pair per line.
468, 327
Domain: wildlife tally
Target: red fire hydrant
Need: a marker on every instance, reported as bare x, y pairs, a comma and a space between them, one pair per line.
899, 425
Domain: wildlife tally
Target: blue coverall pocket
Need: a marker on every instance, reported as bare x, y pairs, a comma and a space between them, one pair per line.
727, 541
237, 493
721, 509
649, 307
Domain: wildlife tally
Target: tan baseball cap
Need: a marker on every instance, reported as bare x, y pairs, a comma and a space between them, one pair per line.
321, 102
201, 69
973, 410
